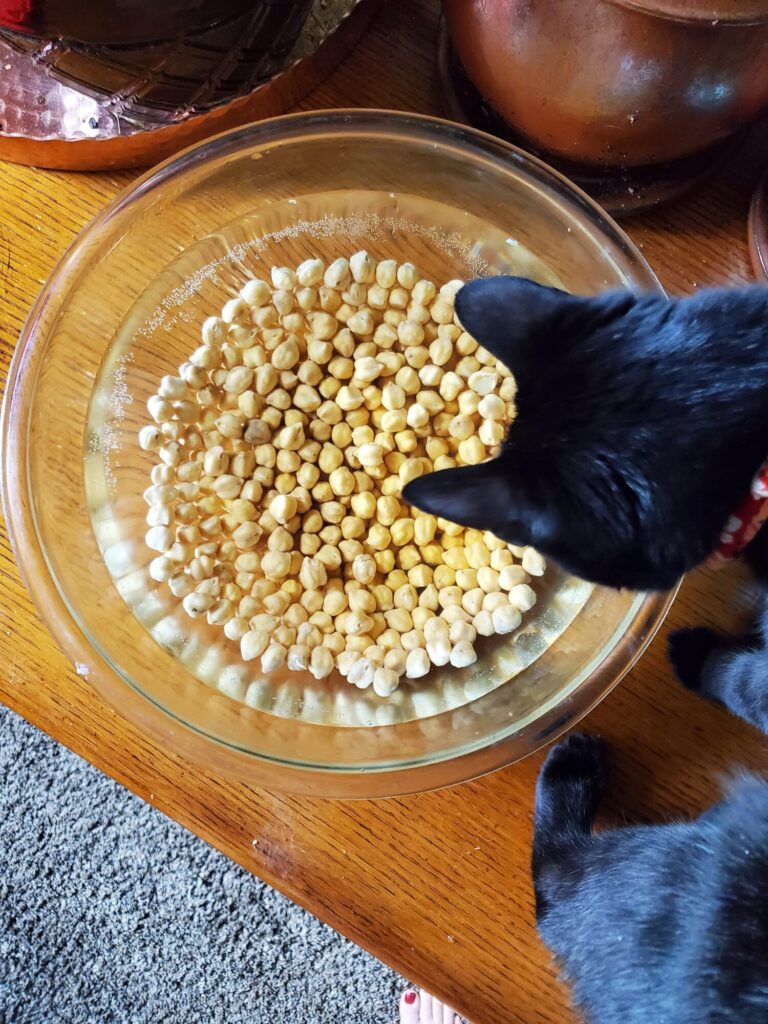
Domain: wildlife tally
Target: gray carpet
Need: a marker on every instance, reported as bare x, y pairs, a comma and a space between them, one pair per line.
111, 913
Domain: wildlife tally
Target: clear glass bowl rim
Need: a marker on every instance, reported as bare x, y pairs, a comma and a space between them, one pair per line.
490, 753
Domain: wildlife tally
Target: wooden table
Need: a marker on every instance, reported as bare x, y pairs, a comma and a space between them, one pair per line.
436, 885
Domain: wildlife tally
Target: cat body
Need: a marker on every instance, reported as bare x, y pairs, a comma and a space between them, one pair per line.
640, 425
657, 924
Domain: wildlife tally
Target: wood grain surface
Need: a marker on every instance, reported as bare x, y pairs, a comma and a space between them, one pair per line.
436, 885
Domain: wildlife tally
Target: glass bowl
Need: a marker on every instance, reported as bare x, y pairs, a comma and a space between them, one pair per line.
124, 306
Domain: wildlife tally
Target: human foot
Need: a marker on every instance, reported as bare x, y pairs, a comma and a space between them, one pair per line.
422, 1008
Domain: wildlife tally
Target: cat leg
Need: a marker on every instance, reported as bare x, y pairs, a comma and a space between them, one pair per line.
732, 675
567, 792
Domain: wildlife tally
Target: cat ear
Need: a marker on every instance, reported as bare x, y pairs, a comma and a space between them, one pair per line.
475, 496
503, 312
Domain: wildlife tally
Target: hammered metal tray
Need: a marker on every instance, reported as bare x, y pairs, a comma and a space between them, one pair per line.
54, 122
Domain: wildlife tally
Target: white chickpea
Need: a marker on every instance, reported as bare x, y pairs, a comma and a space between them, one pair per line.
196, 604
214, 331
472, 451
461, 427
491, 433
407, 275
162, 569
234, 310
483, 623
231, 425
309, 274
247, 535
410, 469
491, 407
150, 438
349, 397
410, 333
505, 619
285, 355
417, 663
488, 579
440, 351
502, 559
393, 397
364, 569
402, 531
321, 662
441, 310
461, 630
522, 597
399, 299
423, 292
439, 651
227, 486
385, 336
337, 274
276, 564
367, 369
162, 515
378, 537
283, 508
468, 402
238, 380
313, 574
362, 267
387, 510
395, 657
463, 654
298, 658
417, 417
377, 297
510, 575
385, 681
159, 409
342, 482
431, 401
362, 322
386, 273
450, 386
236, 628
483, 382
323, 326
273, 657
160, 538
364, 504
283, 278
533, 563
361, 673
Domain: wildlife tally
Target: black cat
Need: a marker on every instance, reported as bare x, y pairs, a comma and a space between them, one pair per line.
640, 426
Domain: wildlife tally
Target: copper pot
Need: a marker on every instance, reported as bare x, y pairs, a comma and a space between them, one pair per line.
621, 83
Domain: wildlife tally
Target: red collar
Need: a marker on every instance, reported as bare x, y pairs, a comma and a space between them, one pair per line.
744, 522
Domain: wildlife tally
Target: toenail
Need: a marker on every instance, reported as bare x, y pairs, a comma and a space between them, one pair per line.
410, 997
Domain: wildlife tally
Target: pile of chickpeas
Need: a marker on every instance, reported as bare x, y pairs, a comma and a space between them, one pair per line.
283, 445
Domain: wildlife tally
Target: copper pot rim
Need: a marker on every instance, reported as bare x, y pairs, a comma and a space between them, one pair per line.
701, 12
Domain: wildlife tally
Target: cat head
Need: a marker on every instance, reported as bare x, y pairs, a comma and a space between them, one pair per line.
605, 467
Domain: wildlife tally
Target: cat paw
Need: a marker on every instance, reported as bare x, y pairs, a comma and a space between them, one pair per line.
689, 650
577, 758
